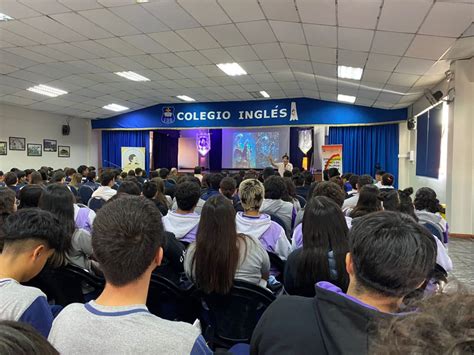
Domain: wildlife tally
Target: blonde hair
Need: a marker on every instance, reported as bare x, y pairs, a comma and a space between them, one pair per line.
251, 193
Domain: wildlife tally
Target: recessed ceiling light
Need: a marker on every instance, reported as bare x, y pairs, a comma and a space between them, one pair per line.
115, 107
264, 94
142, 1
344, 72
232, 69
346, 98
47, 90
130, 75
5, 17
185, 98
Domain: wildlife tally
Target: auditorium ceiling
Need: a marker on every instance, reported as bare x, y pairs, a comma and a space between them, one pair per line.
288, 48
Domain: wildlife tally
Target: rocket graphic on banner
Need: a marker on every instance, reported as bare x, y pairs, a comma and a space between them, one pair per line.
294, 113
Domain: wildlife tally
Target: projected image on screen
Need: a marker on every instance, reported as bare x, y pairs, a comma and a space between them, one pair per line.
251, 149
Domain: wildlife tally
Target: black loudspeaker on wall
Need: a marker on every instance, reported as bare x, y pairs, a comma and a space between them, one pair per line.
66, 130
411, 123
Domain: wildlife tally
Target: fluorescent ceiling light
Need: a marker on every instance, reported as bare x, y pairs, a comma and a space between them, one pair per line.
185, 98
232, 69
344, 72
142, 1
115, 107
264, 94
5, 17
47, 90
346, 98
130, 75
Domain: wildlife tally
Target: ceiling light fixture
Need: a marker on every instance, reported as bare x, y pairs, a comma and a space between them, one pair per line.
142, 1
130, 75
264, 94
185, 98
115, 107
346, 98
47, 90
344, 72
232, 69
5, 17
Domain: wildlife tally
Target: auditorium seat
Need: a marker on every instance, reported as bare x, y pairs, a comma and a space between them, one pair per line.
277, 266
85, 192
95, 203
301, 200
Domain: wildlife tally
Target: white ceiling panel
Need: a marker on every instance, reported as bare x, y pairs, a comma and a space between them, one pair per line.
295, 51
382, 62
284, 10
81, 5
54, 28
321, 36
429, 80
120, 46
429, 47
139, 18
26, 53
96, 49
16, 9
148, 61
323, 55
414, 66
106, 65
86, 67
255, 67
198, 38
325, 70
263, 78
354, 39
277, 65
358, 14
11, 99
403, 79
302, 66
171, 14
61, 56
171, 41
242, 10
206, 12
257, 32
283, 76
15, 60
217, 55
391, 42
46, 7
16, 39
227, 35
109, 3
242, 53
439, 67
368, 93
29, 32
289, 32
268, 51
448, 19
5, 68
170, 59
73, 50
109, 21
211, 71
403, 15
194, 58
145, 43
31, 76
127, 62
364, 102
81, 25
352, 58
376, 76
191, 72
317, 11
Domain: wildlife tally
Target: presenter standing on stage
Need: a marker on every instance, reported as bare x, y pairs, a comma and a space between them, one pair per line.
284, 165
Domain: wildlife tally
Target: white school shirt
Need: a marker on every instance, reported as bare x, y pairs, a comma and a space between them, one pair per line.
281, 168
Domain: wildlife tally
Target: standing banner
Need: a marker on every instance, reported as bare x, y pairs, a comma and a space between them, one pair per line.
332, 156
132, 158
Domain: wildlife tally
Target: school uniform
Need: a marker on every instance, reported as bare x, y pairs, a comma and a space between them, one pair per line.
197, 209
25, 304
104, 192
282, 209
81, 249
84, 217
209, 193
171, 266
183, 226
302, 191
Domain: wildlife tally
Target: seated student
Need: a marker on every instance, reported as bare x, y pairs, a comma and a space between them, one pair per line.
258, 225
353, 180
60, 201
351, 202
69, 173
170, 185
289, 194
322, 257
345, 181
193, 179
390, 255
213, 187
7, 206
386, 182
274, 205
105, 191
267, 172
378, 178
287, 174
59, 177
301, 190
139, 175
228, 188
183, 222
127, 241
90, 181
428, 210
130, 187
22, 339
21, 175
29, 196
151, 191
198, 173
308, 181
174, 175
11, 181
220, 254
83, 170
368, 202
2, 179
36, 178
30, 237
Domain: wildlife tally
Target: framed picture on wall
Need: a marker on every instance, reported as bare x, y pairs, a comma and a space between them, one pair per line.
34, 150
3, 148
17, 143
50, 145
64, 151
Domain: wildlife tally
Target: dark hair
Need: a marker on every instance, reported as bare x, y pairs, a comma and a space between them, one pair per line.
380, 172
138, 171
391, 253
250, 174
290, 192
333, 172
215, 181
130, 188
149, 189
308, 178
160, 191
70, 171
267, 172
58, 176
368, 201
331, 190
354, 180
106, 177
298, 180
295, 170
91, 175
7, 200
287, 173
131, 173
238, 179
81, 169
274, 187
338, 180
390, 200
18, 338
364, 180
217, 253
20, 174
285, 156
228, 187
187, 195
324, 230
197, 170
425, 199
164, 173
406, 203
126, 235
154, 174
30, 196
325, 175
36, 178
10, 179
346, 176
311, 189
387, 179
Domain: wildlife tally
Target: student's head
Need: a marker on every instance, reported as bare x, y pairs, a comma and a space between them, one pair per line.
30, 196
308, 178
364, 180
425, 199
21, 176
298, 180
215, 181
390, 200
76, 179
368, 202
387, 179
131, 173
333, 172
406, 203
379, 174
187, 196
287, 174
267, 172
36, 178
290, 189
32, 236
354, 180
7, 201
330, 190
217, 254
251, 193
346, 176
58, 177
69, 172
132, 158
274, 187
325, 175
127, 239
107, 178
91, 176
250, 174
227, 187
154, 174
174, 172
324, 230
10, 179
2, 176
149, 189
164, 173
28, 174
18, 338
197, 170
285, 159
83, 170
338, 180
130, 188
138, 171
390, 255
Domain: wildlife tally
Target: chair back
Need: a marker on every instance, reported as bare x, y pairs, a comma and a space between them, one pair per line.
85, 192
278, 220
434, 229
277, 266
230, 319
95, 203
301, 200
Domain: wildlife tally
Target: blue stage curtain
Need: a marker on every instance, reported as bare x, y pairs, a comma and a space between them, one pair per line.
363, 147
113, 141
165, 148
295, 153
215, 154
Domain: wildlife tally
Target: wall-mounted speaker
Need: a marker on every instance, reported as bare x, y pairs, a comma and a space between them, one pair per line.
66, 130
411, 123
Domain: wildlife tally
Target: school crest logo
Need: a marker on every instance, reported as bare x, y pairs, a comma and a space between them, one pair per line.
167, 116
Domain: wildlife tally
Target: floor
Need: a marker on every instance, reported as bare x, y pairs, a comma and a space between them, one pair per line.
461, 252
